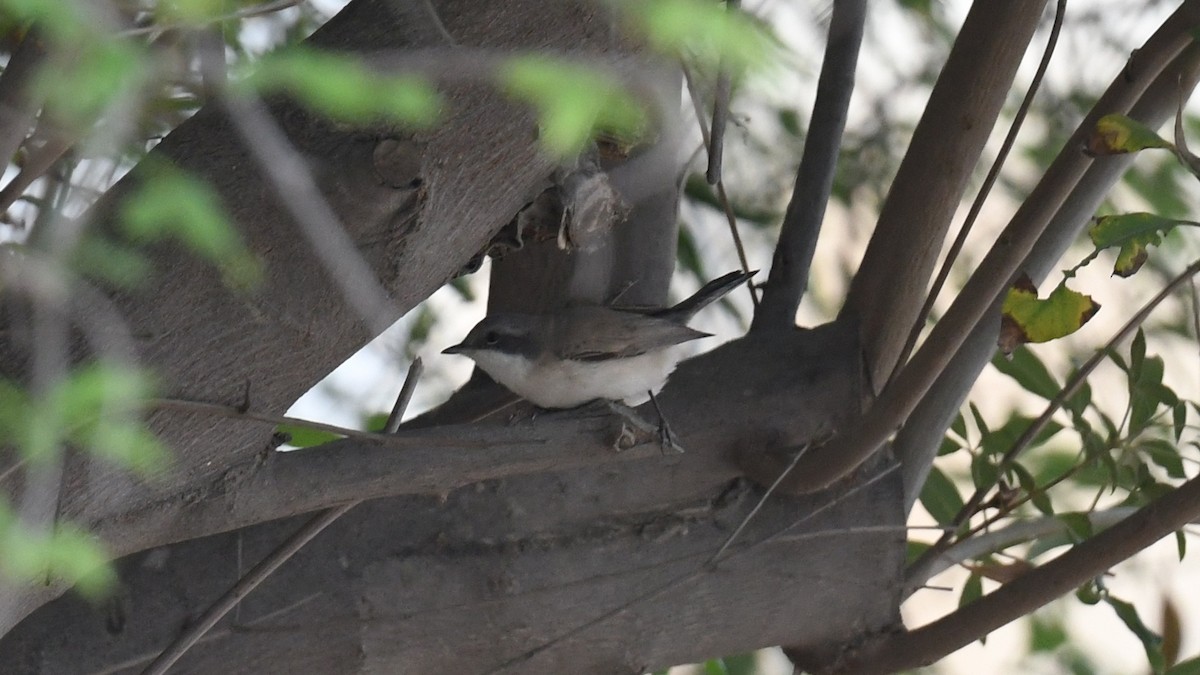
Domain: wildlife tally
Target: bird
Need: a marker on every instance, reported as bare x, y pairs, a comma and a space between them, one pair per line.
583, 353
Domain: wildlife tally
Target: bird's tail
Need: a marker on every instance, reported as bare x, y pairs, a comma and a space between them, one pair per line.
711, 292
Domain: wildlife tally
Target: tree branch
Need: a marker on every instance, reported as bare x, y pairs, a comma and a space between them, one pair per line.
1036, 588
985, 189
814, 178
824, 465
887, 292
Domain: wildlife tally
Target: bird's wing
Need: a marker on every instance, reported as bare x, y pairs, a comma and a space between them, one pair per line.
626, 334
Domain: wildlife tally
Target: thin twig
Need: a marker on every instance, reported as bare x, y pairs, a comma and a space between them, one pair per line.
720, 116
805, 213
406, 393
722, 197
236, 412
437, 23
986, 188
1056, 404
757, 507
275, 558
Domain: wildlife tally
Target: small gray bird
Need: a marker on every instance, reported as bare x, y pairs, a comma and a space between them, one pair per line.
580, 354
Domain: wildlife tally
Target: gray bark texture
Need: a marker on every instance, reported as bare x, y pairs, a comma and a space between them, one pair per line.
522, 547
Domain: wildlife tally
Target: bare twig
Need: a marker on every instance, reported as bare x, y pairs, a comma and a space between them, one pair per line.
1017, 598
720, 116
405, 397
814, 178
236, 412
824, 465
437, 23
915, 577
757, 507
722, 197
986, 188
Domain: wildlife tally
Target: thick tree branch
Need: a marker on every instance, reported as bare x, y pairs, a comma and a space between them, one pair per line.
824, 465
814, 178
1016, 599
887, 292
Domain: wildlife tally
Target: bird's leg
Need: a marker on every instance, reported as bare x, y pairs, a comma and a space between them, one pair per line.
666, 437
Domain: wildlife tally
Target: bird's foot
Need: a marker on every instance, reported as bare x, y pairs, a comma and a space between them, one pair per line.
666, 437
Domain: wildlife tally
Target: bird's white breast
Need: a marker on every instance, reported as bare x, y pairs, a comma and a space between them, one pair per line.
551, 383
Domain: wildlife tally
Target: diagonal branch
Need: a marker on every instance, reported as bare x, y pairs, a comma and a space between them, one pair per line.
1016, 599
814, 179
824, 465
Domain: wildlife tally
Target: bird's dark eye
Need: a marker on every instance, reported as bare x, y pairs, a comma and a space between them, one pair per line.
491, 338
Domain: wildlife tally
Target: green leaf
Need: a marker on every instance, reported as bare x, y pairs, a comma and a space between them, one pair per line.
1151, 641
1028, 371
97, 73
1089, 593
341, 87
1164, 454
983, 472
1145, 394
979, 422
972, 590
1132, 233
304, 437
1188, 667
1039, 498
1118, 134
1181, 544
375, 422
1029, 319
171, 204
940, 497
573, 102
1137, 354
65, 553
959, 426
715, 667
1079, 526
949, 445
1045, 636
704, 30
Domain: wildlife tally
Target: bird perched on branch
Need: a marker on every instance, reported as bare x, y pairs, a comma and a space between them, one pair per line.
584, 353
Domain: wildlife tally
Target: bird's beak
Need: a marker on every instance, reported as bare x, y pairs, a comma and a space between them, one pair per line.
456, 349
